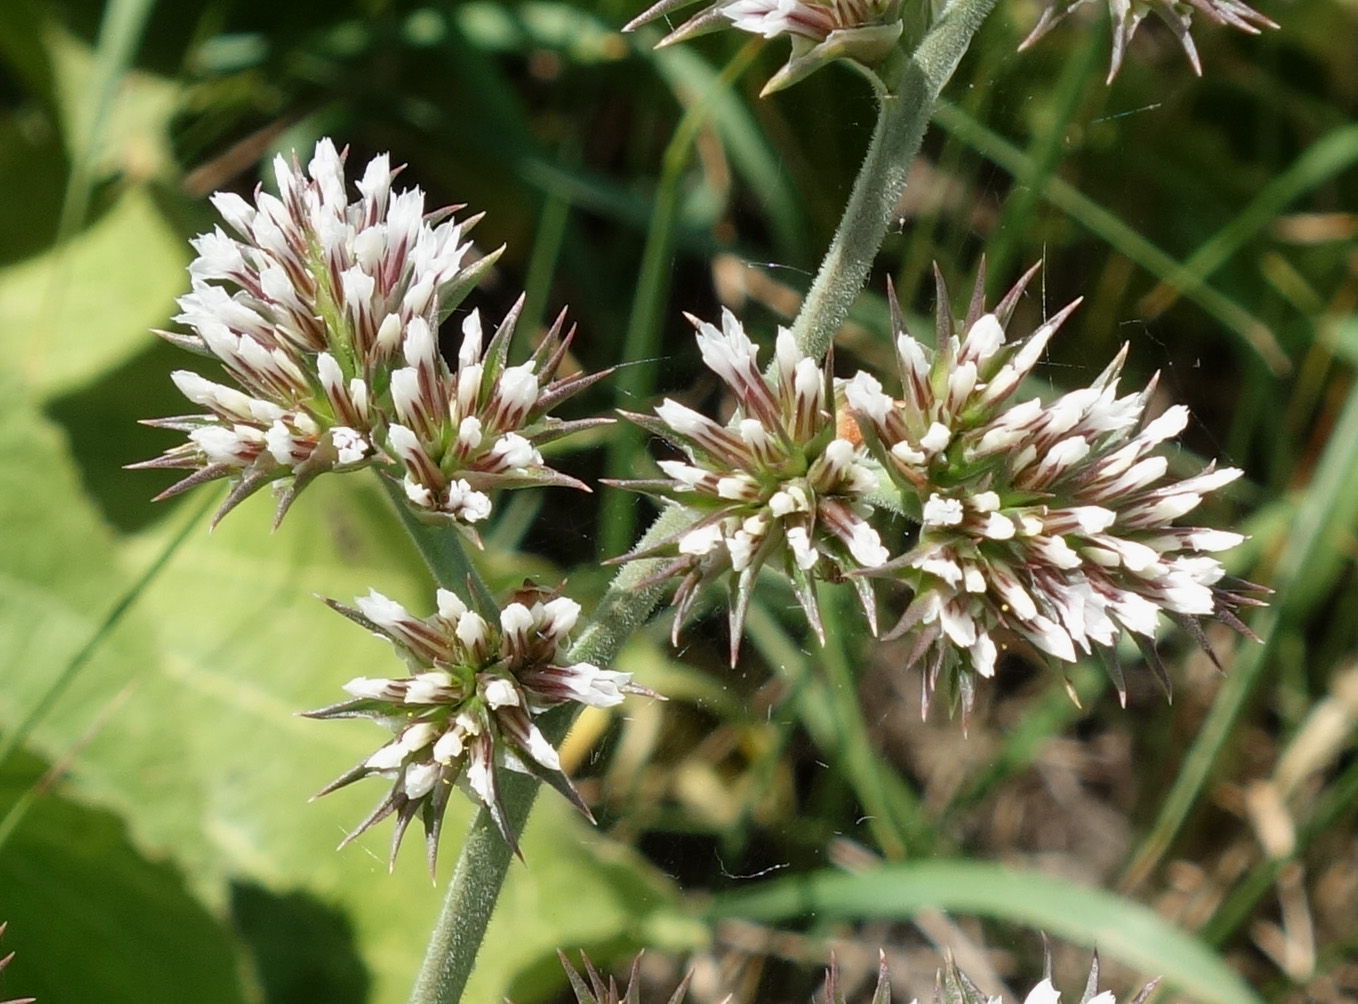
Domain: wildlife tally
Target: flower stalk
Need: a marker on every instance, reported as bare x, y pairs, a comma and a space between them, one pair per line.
903, 116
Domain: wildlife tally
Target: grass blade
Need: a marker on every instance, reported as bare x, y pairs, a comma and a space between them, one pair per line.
1117, 927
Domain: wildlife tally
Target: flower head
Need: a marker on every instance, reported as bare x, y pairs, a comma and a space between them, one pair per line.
1050, 524
478, 679
1127, 16
863, 31
325, 315
777, 486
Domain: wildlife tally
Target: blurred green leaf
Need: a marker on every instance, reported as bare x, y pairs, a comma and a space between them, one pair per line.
89, 305
1333, 153
94, 91
1120, 929
32, 162
58, 578
22, 48
92, 920
1314, 555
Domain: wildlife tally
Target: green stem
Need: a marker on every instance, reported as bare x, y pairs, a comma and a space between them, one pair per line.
904, 115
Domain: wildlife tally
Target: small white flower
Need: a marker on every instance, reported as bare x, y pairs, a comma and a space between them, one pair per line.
366, 688
702, 540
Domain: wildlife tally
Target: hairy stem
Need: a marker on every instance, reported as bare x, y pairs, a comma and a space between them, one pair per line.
904, 115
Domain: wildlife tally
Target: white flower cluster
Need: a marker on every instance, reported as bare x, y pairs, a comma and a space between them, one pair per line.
478, 680
1050, 523
778, 486
325, 313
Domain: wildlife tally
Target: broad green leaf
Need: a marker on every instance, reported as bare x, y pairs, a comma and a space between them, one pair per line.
92, 920
1118, 928
86, 306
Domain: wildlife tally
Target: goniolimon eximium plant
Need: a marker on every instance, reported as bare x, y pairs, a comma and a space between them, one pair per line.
970, 516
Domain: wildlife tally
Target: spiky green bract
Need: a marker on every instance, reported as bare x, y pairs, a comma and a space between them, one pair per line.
777, 487
325, 313
1050, 525
478, 679
821, 31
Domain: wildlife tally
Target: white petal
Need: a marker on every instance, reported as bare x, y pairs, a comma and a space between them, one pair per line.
560, 615
983, 654
1167, 426
500, 693
367, 688
803, 552
1043, 993
384, 612
389, 757
682, 419
350, 446
519, 387
939, 511
700, 541
450, 605
449, 746
1215, 540
998, 527
1093, 518
515, 619
471, 629
958, 625
937, 438
864, 394
984, 338
419, 779
866, 547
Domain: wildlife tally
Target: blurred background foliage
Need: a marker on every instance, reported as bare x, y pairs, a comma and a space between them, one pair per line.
155, 841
